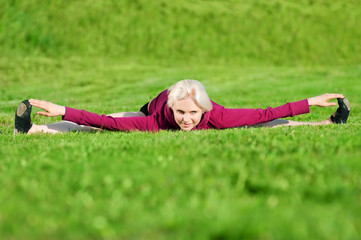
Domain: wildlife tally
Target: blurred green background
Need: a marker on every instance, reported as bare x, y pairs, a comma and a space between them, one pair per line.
274, 32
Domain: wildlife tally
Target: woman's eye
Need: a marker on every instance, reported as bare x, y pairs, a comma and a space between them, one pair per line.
194, 112
180, 111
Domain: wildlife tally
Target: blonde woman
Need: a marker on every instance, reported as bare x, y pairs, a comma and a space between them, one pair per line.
184, 106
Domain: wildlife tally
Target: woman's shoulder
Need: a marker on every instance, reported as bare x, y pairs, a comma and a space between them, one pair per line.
157, 103
216, 107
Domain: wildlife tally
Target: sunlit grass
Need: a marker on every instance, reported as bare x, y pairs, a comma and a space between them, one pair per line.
244, 183
284, 183
247, 32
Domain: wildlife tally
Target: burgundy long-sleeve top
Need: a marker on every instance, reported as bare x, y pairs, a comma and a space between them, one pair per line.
161, 116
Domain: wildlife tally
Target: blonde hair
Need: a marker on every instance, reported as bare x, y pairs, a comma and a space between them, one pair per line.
189, 88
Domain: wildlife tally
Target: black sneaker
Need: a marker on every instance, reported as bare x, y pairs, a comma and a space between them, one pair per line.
23, 118
342, 112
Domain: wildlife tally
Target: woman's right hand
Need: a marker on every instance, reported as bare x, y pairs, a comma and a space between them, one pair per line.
52, 110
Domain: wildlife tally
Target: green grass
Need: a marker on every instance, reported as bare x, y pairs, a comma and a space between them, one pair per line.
292, 32
112, 56
283, 183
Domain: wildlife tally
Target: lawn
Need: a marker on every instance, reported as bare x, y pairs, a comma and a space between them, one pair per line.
242, 183
252, 183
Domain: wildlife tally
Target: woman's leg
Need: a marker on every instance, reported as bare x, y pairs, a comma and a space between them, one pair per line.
66, 126
282, 122
127, 114
60, 127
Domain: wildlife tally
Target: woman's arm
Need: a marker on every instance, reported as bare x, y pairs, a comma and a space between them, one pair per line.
83, 117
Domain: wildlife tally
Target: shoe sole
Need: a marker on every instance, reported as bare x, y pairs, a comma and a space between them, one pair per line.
21, 109
346, 102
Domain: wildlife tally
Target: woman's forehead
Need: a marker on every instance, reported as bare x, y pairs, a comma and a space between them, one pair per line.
186, 103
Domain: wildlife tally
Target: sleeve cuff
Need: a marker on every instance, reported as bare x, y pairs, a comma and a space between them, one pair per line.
300, 107
73, 115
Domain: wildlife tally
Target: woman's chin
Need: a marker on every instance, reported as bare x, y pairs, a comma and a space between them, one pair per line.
186, 128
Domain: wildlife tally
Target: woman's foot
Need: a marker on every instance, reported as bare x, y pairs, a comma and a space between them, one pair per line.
342, 112
23, 118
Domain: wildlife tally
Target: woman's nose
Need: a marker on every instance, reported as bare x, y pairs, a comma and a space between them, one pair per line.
186, 117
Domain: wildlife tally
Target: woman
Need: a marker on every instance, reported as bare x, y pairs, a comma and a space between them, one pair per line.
184, 106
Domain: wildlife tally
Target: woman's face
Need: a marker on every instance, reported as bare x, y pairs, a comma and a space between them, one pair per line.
187, 114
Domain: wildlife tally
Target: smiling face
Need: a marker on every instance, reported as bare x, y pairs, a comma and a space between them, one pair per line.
187, 114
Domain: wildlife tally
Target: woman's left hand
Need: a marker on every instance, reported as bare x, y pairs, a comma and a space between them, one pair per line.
52, 110
322, 100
